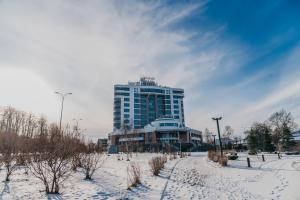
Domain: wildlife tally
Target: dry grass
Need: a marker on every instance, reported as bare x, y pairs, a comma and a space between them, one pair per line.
223, 160
157, 163
216, 157
133, 175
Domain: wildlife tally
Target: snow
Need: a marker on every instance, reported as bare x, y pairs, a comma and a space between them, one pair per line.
194, 177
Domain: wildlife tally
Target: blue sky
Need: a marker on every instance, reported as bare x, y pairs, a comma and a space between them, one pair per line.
237, 59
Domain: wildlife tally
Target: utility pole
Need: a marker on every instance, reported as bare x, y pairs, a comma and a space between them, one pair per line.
217, 119
62, 95
215, 143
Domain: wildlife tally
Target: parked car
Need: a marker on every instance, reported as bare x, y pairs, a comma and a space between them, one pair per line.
232, 155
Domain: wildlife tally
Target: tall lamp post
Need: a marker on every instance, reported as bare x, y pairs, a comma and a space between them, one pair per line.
62, 95
217, 119
215, 143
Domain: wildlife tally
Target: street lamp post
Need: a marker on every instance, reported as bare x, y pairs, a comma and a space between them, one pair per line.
62, 95
217, 119
215, 143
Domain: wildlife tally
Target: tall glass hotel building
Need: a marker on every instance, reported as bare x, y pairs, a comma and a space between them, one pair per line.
137, 104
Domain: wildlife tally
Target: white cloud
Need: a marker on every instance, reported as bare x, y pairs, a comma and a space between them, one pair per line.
86, 47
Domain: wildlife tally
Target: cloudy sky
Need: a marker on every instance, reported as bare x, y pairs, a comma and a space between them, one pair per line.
237, 59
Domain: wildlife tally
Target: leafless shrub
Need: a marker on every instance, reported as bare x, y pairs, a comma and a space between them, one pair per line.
9, 152
214, 156
133, 175
157, 163
51, 158
174, 156
76, 162
223, 160
90, 162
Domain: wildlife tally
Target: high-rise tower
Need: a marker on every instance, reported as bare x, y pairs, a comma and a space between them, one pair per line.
137, 104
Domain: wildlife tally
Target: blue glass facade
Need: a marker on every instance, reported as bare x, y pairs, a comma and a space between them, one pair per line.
136, 105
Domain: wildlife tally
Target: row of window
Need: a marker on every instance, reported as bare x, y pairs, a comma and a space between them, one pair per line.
122, 88
154, 90
177, 91
121, 94
168, 124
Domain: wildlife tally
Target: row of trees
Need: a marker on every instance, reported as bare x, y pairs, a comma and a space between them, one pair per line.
274, 133
48, 152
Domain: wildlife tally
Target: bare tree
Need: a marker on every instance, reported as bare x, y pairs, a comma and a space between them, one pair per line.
9, 152
282, 124
228, 132
208, 135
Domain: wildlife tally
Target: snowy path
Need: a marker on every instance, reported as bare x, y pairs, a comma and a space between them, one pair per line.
197, 178
188, 178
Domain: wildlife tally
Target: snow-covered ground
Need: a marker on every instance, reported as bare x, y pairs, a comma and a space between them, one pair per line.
194, 177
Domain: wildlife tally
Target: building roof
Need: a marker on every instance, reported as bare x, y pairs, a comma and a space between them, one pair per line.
296, 135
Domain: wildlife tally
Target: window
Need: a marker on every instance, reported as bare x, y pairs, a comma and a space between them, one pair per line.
126, 104
175, 101
126, 109
168, 124
176, 117
176, 111
121, 94
122, 88
137, 111
153, 90
126, 99
126, 115
177, 97
175, 106
177, 91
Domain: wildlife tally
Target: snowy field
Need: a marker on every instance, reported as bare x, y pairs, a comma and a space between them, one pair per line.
193, 177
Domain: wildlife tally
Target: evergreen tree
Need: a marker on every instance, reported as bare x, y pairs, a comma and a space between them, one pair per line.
287, 140
252, 141
268, 146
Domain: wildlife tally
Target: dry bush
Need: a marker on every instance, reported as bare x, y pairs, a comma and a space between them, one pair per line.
212, 155
133, 175
9, 152
76, 162
51, 158
174, 156
90, 162
223, 160
157, 163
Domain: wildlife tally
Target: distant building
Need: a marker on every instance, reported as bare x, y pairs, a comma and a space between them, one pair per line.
103, 144
137, 104
296, 136
148, 116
